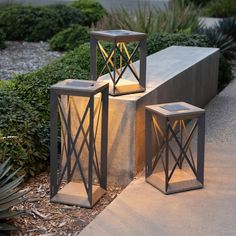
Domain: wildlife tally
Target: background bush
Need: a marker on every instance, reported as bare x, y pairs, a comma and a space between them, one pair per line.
161, 41
198, 2
69, 38
22, 134
91, 8
37, 23
2, 39
220, 8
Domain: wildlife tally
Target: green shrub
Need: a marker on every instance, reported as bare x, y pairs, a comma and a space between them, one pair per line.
22, 134
228, 27
37, 23
220, 8
161, 41
220, 40
92, 9
198, 2
2, 39
69, 38
225, 73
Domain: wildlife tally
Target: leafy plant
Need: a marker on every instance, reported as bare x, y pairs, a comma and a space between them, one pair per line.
9, 195
37, 23
161, 41
176, 18
220, 8
198, 2
2, 39
220, 40
91, 8
228, 27
69, 38
23, 136
225, 43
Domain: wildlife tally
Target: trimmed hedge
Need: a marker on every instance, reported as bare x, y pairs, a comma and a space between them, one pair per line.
93, 10
22, 134
69, 38
2, 39
161, 41
37, 23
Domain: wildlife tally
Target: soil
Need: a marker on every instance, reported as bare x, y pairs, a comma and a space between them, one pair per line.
44, 218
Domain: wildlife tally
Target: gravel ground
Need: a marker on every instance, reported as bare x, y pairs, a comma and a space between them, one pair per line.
221, 116
24, 57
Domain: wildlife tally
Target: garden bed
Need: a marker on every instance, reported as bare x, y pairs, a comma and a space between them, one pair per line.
45, 218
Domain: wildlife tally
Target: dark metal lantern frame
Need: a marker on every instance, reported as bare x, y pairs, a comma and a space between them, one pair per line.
83, 193
119, 39
165, 128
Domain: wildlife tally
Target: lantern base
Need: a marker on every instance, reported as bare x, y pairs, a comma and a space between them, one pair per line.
181, 182
75, 194
124, 89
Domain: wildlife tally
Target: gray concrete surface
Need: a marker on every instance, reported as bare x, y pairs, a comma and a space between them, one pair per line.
142, 210
221, 117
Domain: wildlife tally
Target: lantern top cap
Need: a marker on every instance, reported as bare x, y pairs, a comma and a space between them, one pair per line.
118, 35
80, 86
175, 109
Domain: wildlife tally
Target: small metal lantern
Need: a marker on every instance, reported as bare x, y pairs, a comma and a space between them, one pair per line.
172, 165
83, 109
118, 59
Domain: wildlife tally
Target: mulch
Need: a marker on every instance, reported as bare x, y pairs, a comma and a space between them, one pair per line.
44, 218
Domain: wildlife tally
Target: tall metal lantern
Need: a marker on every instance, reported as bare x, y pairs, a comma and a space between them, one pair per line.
79, 157
118, 50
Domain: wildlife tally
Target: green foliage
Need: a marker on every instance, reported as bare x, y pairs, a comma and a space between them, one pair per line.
225, 73
91, 8
220, 8
161, 41
9, 196
177, 18
37, 23
228, 27
69, 38
198, 2
220, 40
2, 39
22, 134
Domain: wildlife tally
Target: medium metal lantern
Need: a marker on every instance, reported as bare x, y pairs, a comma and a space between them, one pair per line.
118, 49
78, 110
174, 158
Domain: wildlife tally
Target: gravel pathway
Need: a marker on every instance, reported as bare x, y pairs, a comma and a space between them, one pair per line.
24, 57
221, 116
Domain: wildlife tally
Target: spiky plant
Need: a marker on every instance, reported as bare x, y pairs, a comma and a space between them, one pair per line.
9, 195
178, 17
